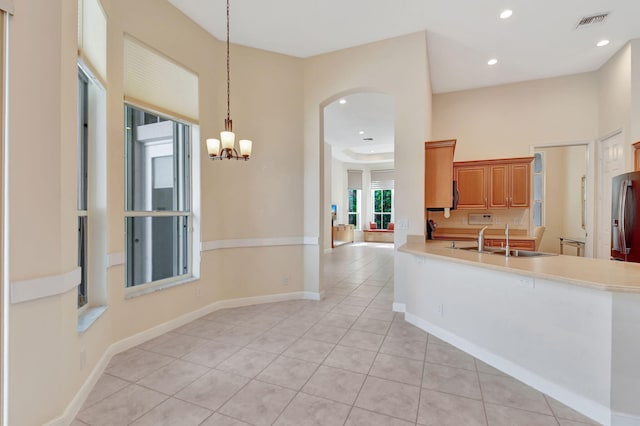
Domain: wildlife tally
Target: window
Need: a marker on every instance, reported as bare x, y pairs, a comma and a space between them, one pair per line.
354, 189
354, 208
382, 207
538, 189
83, 164
91, 193
158, 218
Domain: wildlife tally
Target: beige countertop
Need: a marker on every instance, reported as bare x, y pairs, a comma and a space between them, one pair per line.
600, 274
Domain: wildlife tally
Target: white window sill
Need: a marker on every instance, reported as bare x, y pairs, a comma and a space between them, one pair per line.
132, 292
89, 316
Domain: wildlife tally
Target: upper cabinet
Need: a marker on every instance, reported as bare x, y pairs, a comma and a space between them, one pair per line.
472, 186
438, 173
493, 184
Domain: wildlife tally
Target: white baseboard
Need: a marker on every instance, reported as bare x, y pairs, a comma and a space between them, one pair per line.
310, 295
588, 407
399, 307
622, 419
122, 345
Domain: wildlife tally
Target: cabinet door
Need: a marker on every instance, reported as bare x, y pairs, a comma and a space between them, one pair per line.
471, 187
438, 173
498, 186
519, 191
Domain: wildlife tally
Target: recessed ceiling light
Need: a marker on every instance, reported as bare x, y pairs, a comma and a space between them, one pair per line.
361, 132
343, 101
492, 61
602, 43
506, 14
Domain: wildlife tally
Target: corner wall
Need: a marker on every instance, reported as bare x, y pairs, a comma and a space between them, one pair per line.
397, 67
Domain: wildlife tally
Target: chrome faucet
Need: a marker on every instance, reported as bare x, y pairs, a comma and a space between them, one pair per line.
481, 240
507, 252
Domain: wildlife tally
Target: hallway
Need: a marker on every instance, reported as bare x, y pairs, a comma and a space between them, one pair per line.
346, 360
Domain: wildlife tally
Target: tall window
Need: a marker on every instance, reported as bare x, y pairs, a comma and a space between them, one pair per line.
538, 189
354, 208
83, 184
382, 183
158, 198
382, 207
354, 189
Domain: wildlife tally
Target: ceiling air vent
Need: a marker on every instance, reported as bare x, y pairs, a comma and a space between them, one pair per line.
367, 139
590, 20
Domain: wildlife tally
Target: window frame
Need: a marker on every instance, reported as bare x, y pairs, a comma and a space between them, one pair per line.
357, 212
542, 181
83, 187
382, 213
189, 165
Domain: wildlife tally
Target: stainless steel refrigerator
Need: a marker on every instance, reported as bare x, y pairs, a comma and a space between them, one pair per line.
625, 218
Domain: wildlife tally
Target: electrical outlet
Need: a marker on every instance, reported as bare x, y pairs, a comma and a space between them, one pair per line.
441, 309
198, 291
285, 280
527, 281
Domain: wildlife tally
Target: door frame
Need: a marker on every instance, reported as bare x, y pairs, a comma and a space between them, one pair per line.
600, 183
590, 225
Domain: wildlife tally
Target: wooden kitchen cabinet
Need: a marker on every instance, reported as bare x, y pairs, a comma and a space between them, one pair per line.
491, 184
636, 156
438, 173
472, 186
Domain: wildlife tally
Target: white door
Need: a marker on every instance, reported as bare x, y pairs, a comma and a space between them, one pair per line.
611, 163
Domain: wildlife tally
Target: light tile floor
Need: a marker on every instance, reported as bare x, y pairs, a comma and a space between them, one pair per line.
346, 360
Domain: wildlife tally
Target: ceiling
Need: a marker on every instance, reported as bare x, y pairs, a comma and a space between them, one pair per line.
360, 130
540, 39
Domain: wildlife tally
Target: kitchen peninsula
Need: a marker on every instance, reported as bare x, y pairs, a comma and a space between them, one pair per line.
568, 326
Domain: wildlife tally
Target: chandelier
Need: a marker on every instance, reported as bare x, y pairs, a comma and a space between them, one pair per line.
224, 148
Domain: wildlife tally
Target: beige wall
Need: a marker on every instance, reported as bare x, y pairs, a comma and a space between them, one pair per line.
614, 84
505, 121
560, 171
258, 199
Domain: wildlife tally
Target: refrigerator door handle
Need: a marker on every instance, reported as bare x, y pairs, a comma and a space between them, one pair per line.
626, 184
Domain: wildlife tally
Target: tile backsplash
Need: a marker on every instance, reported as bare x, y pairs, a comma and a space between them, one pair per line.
516, 218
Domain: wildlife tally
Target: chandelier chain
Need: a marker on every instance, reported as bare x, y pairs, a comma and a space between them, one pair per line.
228, 69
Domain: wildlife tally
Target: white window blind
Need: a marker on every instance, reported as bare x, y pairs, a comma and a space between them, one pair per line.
354, 178
382, 179
154, 81
92, 37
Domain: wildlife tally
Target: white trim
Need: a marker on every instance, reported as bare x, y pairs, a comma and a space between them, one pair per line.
257, 242
311, 295
399, 307
23, 291
7, 6
6, 228
89, 316
127, 343
328, 250
623, 419
585, 406
115, 259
